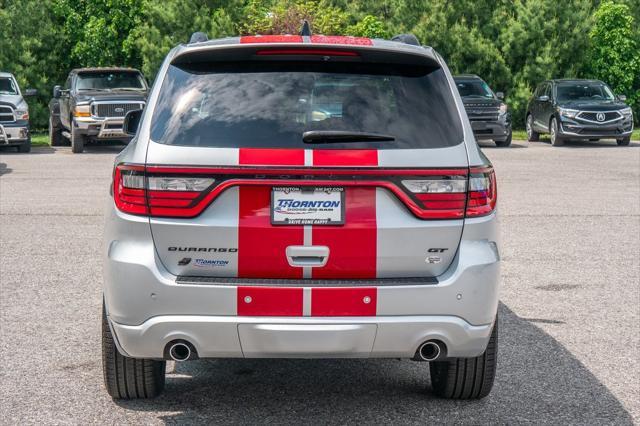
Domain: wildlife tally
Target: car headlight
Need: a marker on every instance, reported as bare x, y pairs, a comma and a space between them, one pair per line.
22, 114
503, 109
569, 113
626, 112
82, 111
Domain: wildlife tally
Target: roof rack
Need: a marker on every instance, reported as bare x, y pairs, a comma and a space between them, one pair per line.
198, 37
406, 39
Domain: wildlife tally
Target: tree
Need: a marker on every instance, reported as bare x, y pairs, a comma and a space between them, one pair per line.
98, 30
167, 24
614, 52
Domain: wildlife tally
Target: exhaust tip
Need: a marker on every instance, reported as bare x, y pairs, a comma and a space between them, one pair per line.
430, 351
180, 352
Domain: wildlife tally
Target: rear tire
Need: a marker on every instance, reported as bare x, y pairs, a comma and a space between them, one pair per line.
77, 140
532, 135
467, 378
556, 140
55, 134
129, 378
624, 141
505, 143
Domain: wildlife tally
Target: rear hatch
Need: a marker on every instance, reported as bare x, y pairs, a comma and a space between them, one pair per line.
320, 162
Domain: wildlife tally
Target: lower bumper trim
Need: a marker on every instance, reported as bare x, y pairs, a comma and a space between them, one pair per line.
302, 337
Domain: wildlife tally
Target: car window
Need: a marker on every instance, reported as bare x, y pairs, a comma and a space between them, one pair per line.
109, 81
474, 88
8, 86
271, 104
590, 91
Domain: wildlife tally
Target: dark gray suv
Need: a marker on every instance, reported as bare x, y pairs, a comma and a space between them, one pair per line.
578, 109
488, 114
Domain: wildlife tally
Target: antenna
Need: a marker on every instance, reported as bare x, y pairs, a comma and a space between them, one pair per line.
306, 29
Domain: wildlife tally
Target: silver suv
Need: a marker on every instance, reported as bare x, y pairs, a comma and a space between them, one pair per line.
301, 197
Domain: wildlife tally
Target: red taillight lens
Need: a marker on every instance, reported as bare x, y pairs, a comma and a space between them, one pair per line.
137, 192
128, 189
442, 197
483, 194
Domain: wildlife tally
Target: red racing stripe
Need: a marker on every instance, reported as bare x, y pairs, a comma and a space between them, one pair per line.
271, 157
340, 302
270, 301
354, 41
261, 246
271, 39
352, 246
345, 157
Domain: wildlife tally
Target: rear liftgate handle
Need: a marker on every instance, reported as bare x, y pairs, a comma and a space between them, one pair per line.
302, 256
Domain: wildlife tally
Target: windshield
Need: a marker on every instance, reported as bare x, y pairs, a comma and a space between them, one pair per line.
110, 81
8, 86
584, 92
477, 88
272, 104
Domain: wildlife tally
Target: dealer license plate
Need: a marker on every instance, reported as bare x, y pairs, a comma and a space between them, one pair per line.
307, 206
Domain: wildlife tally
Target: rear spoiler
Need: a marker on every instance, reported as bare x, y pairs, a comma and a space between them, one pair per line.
283, 48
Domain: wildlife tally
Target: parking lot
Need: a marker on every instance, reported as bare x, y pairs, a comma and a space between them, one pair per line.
569, 318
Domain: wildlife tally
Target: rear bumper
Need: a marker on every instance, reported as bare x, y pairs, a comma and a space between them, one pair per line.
147, 306
268, 337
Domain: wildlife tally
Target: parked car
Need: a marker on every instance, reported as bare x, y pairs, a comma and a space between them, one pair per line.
14, 114
489, 115
92, 105
256, 216
578, 109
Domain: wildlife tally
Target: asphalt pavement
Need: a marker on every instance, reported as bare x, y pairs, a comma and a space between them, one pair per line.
569, 350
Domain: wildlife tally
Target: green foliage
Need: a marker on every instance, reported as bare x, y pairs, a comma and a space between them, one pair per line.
513, 44
286, 17
614, 54
369, 26
98, 30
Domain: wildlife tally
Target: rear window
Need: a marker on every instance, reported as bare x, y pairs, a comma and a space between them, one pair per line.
271, 104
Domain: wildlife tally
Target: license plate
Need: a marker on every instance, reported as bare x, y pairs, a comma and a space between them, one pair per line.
307, 206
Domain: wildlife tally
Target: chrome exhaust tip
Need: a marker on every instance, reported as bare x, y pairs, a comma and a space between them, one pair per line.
430, 351
180, 352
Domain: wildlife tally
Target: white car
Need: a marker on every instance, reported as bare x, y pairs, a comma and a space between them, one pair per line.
255, 215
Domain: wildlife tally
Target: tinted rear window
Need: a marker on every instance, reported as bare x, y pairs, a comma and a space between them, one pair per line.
271, 104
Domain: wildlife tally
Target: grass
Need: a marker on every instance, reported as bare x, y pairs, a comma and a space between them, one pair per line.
40, 139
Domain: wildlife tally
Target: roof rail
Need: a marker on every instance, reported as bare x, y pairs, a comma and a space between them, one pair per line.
406, 39
198, 37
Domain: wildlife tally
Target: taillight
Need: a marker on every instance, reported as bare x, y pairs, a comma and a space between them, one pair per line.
129, 190
447, 197
442, 197
483, 193
137, 192
176, 196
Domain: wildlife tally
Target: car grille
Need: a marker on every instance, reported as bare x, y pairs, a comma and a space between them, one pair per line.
483, 114
6, 114
593, 116
114, 110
